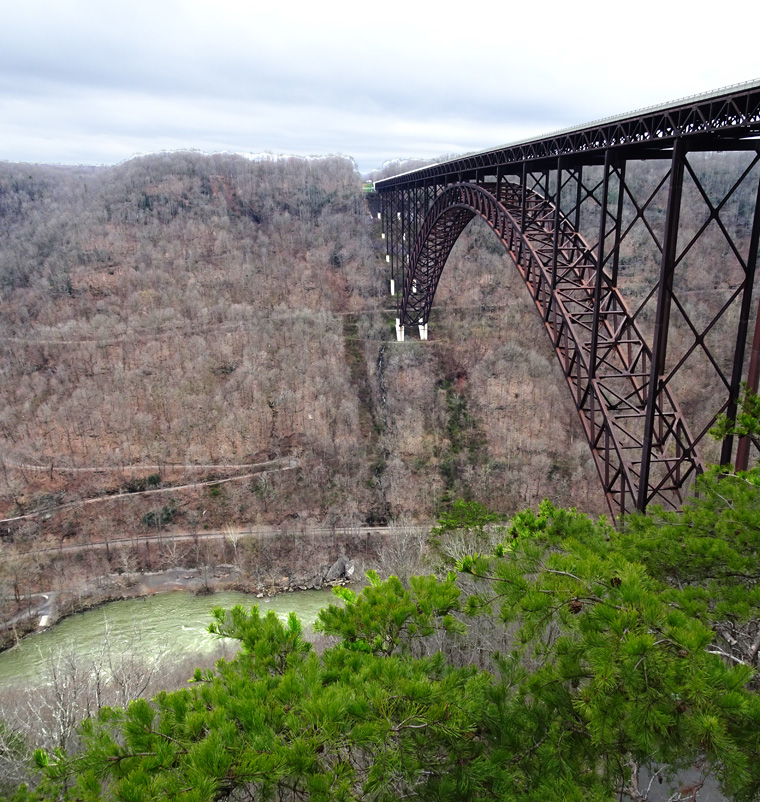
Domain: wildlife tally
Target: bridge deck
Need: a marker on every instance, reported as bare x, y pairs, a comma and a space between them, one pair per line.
722, 118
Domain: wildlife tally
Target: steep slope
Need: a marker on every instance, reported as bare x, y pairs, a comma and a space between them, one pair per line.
182, 311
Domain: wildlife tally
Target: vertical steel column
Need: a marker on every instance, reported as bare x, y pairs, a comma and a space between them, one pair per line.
384, 224
557, 213
523, 194
578, 193
742, 451
387, 212
391, 217
418, 216
406, 221
618, 224
401, 217
662, 316
555, 234
599, 267
396, 245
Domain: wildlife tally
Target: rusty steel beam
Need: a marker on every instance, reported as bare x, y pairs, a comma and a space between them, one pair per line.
568, 290
619, 363
662, 321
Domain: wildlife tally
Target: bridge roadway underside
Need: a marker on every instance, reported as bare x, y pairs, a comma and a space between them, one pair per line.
637, 240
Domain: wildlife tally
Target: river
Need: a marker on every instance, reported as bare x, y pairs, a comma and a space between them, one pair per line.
174, 622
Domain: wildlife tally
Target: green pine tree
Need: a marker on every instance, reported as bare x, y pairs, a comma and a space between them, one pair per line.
631, 653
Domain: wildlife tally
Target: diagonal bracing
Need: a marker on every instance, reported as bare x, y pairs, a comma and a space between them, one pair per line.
603, 355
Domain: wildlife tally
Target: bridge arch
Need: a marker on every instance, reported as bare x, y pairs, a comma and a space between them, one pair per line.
604, 357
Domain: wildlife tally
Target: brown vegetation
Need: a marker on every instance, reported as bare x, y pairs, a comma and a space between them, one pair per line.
182, 310
182, 320
189, 343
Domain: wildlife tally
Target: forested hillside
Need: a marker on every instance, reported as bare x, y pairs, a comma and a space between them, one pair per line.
181, 318
193, 342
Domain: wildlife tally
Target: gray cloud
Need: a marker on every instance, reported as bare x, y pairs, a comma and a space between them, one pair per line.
91, 82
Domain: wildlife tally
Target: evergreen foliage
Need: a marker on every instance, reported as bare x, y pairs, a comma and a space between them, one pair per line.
633, 655
746, 422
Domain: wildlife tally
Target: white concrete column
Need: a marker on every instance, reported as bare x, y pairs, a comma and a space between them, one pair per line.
423, 331
399, 330
393, 287
379, 216
414, 285
383, 234
387, 257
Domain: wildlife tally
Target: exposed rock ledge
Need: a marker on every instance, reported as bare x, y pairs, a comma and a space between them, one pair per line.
220, 577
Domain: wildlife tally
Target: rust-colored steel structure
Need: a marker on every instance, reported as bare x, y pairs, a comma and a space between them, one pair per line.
637, 239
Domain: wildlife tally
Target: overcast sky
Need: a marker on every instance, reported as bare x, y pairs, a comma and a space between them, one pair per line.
98, 81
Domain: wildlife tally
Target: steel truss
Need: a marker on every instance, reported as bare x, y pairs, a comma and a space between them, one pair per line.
572, 213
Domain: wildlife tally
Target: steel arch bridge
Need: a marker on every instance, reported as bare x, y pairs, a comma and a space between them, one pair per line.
637, 239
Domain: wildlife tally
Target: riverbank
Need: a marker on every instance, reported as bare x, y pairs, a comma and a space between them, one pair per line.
165, 632
313, 565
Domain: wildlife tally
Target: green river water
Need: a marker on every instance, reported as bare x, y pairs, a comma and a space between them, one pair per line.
174, 620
